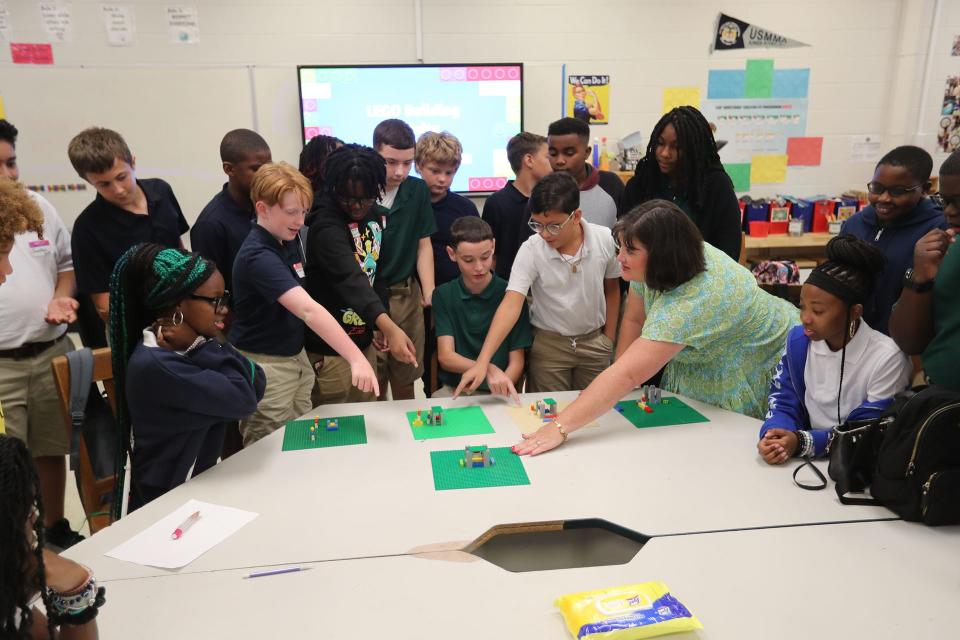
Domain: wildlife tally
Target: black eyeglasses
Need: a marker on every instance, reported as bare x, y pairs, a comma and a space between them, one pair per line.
349, 203
879, 189
220, 303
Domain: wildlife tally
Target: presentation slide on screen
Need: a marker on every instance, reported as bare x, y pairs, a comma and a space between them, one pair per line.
481, 105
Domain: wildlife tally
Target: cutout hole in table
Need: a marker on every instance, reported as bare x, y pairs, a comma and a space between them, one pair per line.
568, 544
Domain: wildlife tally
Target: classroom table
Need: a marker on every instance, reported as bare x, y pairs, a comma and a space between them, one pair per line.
379, 499
878, 580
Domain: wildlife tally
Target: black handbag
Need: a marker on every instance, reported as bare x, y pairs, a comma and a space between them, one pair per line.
854, 447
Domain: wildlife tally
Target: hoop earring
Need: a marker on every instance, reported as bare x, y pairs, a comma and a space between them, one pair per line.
177, 318
852, 330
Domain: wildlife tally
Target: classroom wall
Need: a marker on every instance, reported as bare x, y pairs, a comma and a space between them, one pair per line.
173, 102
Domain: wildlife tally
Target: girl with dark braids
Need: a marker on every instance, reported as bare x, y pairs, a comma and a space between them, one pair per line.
28, 572
176, 382
682, 165
835, 367
344, 246
313, 158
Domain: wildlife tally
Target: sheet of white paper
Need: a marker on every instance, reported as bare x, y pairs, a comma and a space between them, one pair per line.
154, 547
865, 148
119, 24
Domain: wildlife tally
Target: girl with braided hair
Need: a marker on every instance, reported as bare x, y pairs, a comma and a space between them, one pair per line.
682, 165
28, 572
835, 367
313, 159
176, 382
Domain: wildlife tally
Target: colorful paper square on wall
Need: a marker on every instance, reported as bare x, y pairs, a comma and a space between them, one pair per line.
804, 152
791, 83
759, 79
768, 169
740, 175
724, 84
674, 97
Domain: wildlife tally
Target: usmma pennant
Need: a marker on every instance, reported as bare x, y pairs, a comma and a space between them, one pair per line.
731, 33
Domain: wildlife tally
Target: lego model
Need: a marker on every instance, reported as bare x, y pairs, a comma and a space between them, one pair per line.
545, 409
650, 394
333, 424
476, 457
434, 417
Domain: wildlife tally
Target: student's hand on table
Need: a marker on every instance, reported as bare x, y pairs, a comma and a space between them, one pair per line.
777, 445
543, 439
928, 253
500, 384
363, 377
471, 379
401, 347
62, 311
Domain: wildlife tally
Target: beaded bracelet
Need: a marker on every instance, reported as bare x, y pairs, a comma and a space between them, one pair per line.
74, 601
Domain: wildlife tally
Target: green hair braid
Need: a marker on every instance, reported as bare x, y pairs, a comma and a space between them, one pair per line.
147, 279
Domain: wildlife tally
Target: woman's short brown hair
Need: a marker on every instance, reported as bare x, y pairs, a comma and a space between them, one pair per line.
673, 242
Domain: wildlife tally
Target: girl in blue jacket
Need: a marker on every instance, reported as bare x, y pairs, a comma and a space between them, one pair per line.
835, 366
176, 382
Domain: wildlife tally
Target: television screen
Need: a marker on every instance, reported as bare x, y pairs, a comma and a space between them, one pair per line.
481, 104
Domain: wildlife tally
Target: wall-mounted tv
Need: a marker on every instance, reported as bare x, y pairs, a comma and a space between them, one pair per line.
481, 104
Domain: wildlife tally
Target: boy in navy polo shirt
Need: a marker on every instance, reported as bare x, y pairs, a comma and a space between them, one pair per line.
126, 211
463, 310
438, 157
407, 268
506, 210
899, 214
600, 191
271, 306
225, 222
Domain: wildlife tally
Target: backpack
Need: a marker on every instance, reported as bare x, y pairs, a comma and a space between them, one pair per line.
777, 272
917, 473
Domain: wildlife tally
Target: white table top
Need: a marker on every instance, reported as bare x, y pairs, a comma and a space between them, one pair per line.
878, 580
378, 499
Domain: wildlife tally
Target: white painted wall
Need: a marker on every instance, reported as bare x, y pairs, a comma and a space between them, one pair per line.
174, 102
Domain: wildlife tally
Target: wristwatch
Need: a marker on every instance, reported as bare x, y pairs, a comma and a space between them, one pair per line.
919, 287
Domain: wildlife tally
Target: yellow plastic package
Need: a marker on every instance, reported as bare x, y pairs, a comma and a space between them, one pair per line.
630, 612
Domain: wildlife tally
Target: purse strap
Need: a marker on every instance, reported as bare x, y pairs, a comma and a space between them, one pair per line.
844, 499
822, 484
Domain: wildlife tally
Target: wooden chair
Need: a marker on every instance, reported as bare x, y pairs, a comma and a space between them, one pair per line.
95, 493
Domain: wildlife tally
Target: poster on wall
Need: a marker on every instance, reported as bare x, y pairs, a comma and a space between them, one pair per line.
948, 136
119, 25
733, 33
184, 24
4, 23
956, 46
57, 20
588, 98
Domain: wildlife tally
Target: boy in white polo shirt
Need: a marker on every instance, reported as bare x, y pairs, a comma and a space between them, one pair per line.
570, 269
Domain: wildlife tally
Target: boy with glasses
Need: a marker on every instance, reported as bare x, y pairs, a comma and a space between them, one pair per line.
344, 251
570, 268
898, 215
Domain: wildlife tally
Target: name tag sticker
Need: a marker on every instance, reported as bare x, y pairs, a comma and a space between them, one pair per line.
39, 243
298, 267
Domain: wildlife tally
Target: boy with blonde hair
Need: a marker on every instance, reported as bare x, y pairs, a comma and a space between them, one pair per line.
271, 306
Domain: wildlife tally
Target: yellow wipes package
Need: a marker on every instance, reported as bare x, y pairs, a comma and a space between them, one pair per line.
630, 612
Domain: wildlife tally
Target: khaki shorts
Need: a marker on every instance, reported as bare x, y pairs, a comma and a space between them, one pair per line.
30, 402
335, 378
565, 363
407, 311
287, 396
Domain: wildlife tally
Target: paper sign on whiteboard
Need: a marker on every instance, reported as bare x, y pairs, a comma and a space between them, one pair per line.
118, 22
57, 20
184, 23
4, 23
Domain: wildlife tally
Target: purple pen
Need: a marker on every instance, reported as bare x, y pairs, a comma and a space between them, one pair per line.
275, 572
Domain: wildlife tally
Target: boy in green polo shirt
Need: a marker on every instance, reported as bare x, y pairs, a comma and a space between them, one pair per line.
463, 310
407, 265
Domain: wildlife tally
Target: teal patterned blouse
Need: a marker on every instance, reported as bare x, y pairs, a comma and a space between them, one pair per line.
734, 334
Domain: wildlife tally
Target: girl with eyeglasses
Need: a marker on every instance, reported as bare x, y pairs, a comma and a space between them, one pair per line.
899, 214
176, 382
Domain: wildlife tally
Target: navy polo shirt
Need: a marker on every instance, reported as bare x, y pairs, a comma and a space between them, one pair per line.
103, 232
220, 230
507, 212
445, 212
264, 270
